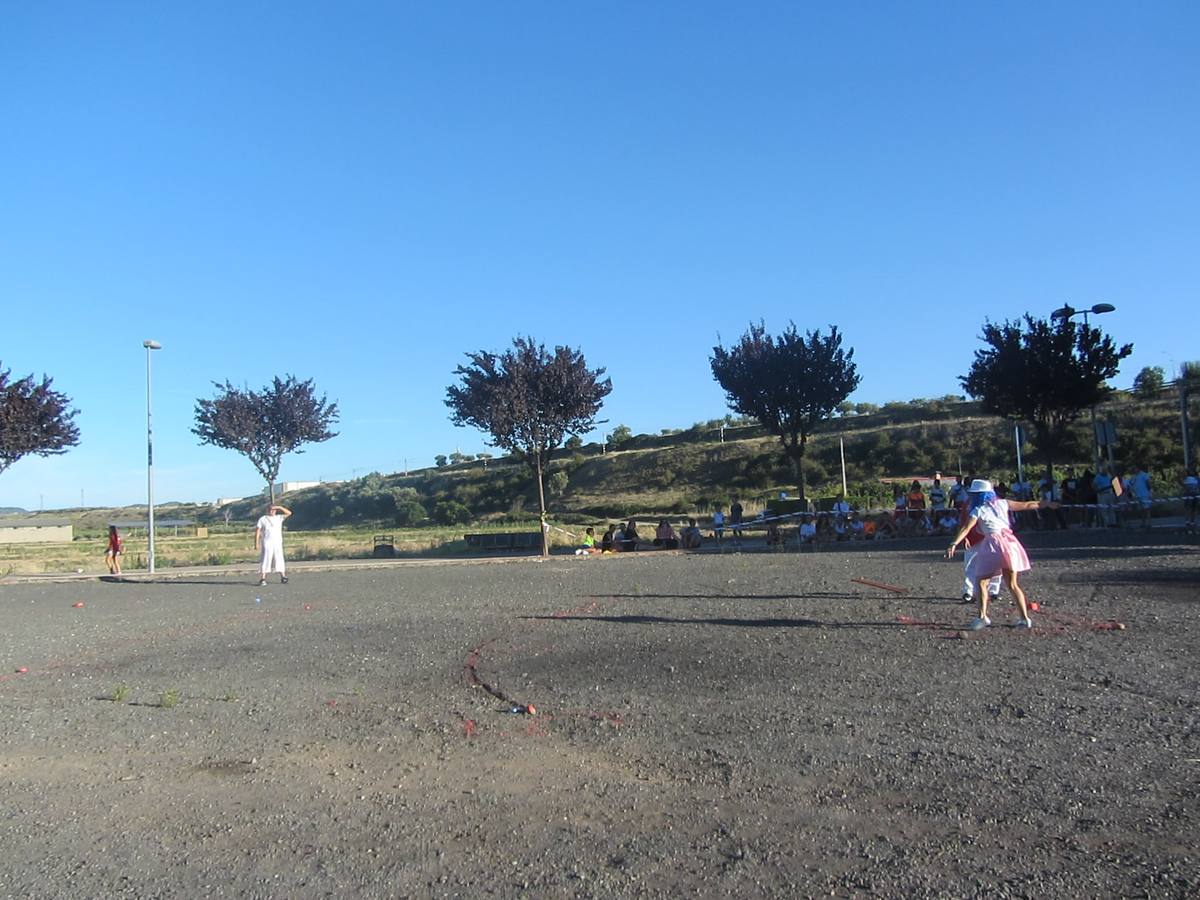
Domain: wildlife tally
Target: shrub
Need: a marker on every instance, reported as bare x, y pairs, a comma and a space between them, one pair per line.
451, 512
409, 512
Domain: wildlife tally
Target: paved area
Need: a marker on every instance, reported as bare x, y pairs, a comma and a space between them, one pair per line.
713, 725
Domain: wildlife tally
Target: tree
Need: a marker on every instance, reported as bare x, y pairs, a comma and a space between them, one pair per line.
620, 435
1046, 373
34, 419
790, 384
1149, 382
528, 400
574, 442
440, 460
264, 425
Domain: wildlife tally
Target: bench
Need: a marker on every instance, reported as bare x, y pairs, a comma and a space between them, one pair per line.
384, 546
514, 540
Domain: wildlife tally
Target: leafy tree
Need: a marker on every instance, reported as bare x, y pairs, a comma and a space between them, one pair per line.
620, 435
1149, 382
440, 460
409, 512
458, 457
264, 425
1045, 373
34, 420
528, 400
790, 383
556, 483
574, 442
451, 512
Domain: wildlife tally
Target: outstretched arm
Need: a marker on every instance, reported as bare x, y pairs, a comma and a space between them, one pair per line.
1021, 505
962, 533
282, 510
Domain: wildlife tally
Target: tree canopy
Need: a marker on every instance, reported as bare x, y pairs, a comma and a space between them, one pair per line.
265, 425
790, 383
35, 420
528, 400
1045, 373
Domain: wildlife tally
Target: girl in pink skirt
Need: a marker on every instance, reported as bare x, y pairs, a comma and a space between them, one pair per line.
1000, 552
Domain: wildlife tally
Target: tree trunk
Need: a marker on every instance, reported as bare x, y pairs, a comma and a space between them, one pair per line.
271, 490
541, 504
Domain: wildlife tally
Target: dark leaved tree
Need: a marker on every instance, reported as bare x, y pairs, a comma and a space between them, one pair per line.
790, 383
528, 400
34, 419
264, 425
1045, 373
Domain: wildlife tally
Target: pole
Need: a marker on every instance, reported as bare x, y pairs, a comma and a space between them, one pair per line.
1017, 440
1183, 420
842, 449
149, 466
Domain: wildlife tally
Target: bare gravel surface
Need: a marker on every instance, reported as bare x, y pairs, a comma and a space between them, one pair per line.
707, 725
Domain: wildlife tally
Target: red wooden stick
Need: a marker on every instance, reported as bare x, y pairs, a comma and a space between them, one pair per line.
880, 584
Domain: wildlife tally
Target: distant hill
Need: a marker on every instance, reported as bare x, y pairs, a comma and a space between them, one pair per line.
11, 510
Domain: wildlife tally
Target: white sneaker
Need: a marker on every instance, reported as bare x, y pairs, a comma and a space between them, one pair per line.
1022, 623
980, 624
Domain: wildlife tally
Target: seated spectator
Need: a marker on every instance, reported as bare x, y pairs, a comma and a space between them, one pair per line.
691, 536
808, 530
588, 547
665, 536
885, 527
774, 535
608, 542
824, 529
629, 538
838, 528
857, 527
870, 529
948, 523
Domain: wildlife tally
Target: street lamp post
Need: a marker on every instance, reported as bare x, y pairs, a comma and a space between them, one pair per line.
150, 345
1065, 313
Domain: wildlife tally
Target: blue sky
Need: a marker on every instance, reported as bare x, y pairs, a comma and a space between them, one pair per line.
359, 193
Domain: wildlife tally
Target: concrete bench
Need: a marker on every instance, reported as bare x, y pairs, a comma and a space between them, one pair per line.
514, 540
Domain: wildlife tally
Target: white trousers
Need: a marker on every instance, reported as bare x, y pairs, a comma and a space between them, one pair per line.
272, 558
968, 585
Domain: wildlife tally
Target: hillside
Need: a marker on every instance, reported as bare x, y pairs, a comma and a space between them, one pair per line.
694, 471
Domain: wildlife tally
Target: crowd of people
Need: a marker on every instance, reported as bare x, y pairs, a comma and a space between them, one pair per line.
1087, 499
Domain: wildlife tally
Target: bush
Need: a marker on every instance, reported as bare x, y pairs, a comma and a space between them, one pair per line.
409, 512
451, 512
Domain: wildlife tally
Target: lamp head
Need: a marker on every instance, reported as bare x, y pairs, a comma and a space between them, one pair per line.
152, 345
1064, 313
1103, 308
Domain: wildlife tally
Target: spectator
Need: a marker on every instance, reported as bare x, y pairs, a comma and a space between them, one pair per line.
857, 527
1070, 495
1106, 496
665, 536
691, 536
808, 530
937, 497
958, 492
1086, 497
1054, 517
1191, 497
629, 538
1140, 493
735, 520
718, 524
608, 542
915, 501
588, 546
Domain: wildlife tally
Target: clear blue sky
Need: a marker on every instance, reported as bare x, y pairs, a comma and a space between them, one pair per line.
359, 193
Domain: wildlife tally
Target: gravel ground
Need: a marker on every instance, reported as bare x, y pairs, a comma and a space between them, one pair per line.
713, 725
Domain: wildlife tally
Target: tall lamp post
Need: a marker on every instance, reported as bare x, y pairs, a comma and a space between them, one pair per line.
150, 345
1066, 313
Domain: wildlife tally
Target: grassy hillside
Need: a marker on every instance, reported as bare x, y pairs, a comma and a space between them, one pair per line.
693, 471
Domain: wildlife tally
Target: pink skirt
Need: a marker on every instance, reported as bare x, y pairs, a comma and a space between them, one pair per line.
997, 553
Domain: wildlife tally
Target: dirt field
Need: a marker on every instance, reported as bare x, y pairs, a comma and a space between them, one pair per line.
736, 725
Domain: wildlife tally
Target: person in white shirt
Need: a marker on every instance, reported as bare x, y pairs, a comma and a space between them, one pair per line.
268, 539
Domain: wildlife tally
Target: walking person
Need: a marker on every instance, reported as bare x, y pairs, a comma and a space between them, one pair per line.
1191, 497
112, 554
1000, 552
735, 521
268, 539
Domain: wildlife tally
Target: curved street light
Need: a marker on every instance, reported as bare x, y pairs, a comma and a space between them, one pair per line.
1066, 312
